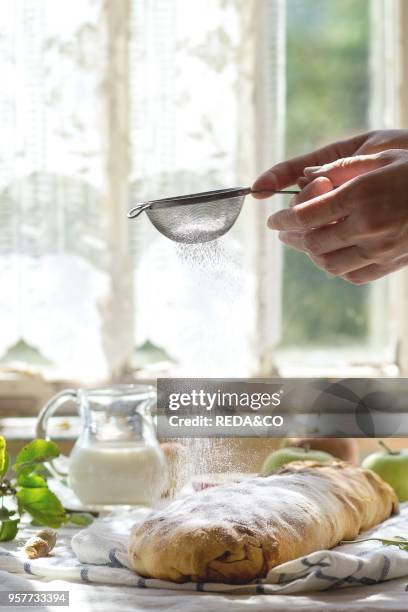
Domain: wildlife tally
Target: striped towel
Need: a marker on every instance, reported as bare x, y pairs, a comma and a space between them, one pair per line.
97, 554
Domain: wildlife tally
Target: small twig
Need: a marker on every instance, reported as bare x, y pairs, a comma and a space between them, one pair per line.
387, 542
387, 448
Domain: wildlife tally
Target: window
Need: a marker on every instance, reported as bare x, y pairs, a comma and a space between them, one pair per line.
328, 98
332, 85
106, 104
207, 112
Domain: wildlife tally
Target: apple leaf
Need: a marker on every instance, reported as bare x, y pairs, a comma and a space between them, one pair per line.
2, 455
8, 529
82, 519
35, 452
28, 487
5, 514
31, 480
6, 465
399, 541
42, 505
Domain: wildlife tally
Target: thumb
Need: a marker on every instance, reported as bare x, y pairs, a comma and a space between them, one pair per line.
347, 168
312, 189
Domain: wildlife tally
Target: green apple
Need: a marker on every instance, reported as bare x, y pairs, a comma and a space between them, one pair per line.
293, 453
392, 466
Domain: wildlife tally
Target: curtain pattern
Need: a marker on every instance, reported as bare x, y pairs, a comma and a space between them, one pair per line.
103, 104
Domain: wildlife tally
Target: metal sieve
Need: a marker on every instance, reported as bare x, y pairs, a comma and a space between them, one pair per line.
199, 217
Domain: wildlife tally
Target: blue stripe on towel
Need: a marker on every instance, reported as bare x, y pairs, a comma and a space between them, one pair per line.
27, 568
84, 575
369, 551
304, 561
336, 582
286, 578
365, 581
141, 583
260, 587
113, 560
386, 568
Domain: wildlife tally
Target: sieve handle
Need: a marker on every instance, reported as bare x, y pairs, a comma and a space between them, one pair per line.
206, 196
136, 210
272, 191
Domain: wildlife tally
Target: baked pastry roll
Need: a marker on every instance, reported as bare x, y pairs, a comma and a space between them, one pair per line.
236, 533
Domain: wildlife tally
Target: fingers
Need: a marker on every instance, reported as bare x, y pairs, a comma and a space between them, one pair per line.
322, 240
302, 182
294, 239
342, 261
373, 272
366, 274
316, 212
312, 190
286, 173
347, 168
339, 261
381, 140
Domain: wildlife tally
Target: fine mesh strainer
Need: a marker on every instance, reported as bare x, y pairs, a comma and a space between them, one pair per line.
199, 217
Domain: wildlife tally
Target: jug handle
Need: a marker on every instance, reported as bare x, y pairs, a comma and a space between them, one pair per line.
42, 424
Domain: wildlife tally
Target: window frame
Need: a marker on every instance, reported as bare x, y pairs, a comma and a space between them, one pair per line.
397, 41
388, 109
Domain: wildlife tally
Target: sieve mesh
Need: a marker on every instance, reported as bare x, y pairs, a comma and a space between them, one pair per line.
195, 223
196, 218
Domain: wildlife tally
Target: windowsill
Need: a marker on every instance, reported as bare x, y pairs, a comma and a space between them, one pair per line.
22, 394
24, 428
344, 362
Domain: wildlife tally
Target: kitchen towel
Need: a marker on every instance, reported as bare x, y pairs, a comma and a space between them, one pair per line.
97, 554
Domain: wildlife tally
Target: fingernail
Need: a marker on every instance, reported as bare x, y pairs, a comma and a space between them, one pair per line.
285, 236
270, 223
302, 182
311, 170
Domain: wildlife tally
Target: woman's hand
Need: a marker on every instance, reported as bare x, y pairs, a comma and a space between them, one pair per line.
351, 217
288, 172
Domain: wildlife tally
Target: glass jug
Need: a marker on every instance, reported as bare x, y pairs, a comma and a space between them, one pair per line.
117, 458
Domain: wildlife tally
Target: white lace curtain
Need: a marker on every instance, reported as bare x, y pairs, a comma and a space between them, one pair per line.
104, 103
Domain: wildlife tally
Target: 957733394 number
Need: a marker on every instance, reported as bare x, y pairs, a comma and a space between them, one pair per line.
33, 598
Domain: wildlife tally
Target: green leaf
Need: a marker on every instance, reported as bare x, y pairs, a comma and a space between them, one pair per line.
8, 530
83, 519
399, 541
5, 514
35, 452
6, 465
20, 508
2, 454
42, 505
30, 480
